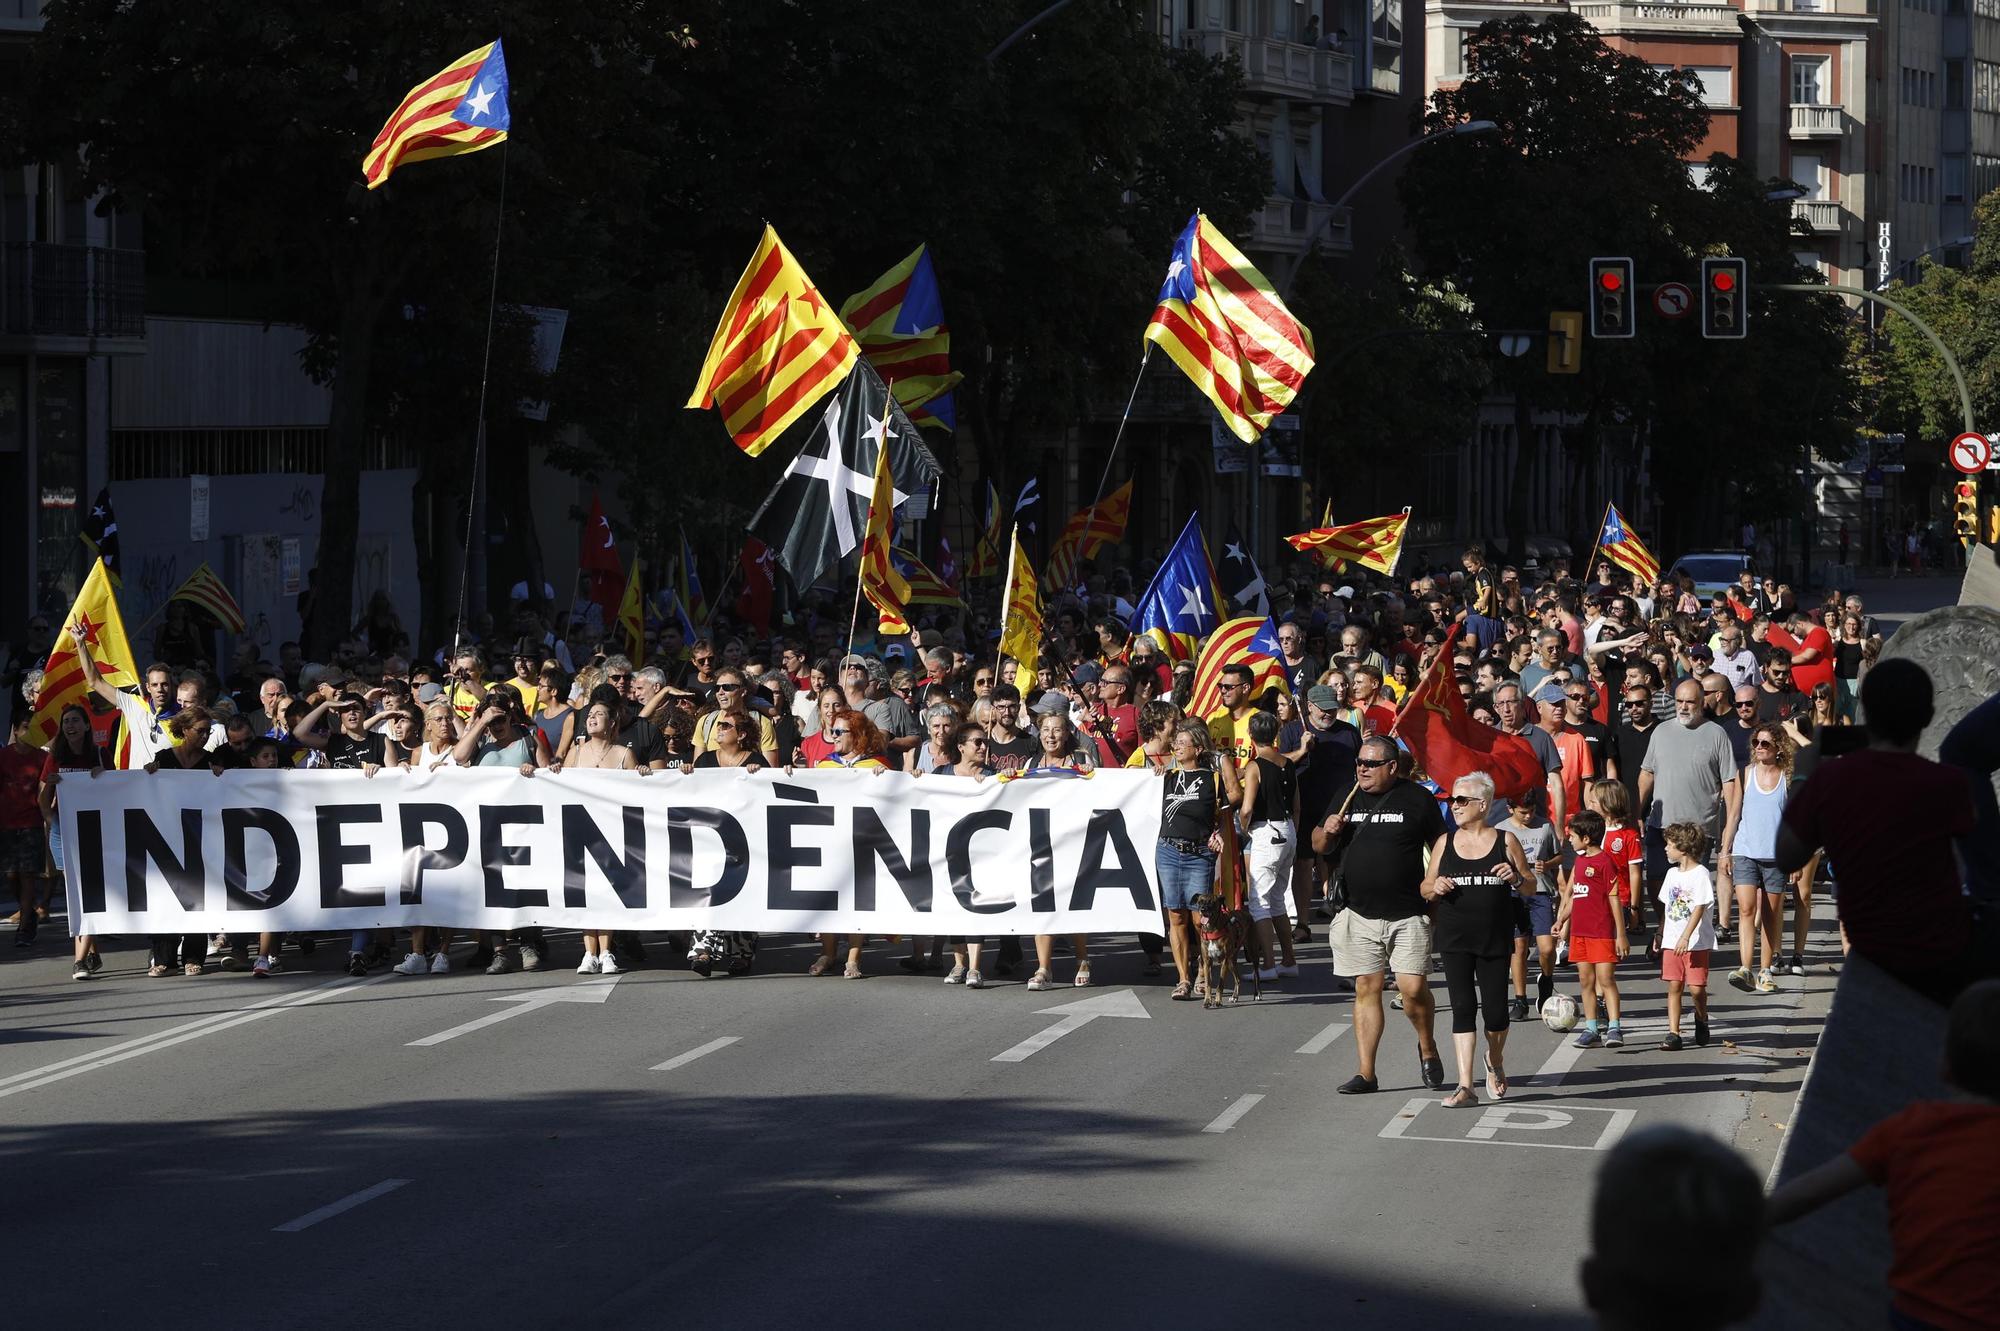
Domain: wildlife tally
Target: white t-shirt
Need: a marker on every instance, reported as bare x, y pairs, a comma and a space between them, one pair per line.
1683, 892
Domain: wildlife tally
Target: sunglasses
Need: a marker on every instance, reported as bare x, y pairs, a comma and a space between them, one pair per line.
704, 660
982, 679
1372, 762
1577, 697
728, 688
731, 727
838, 731
1751, 703
1460, 801
1763, 744
618, 679
1638, 702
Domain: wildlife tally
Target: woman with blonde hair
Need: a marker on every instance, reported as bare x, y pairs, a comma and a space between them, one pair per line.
1750, 859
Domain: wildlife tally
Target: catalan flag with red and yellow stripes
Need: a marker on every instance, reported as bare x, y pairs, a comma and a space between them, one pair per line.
881, 581
460, 109
1224, 325
900, 324
778, 349
1087, 532
205, 591
1250, 641
1372, 543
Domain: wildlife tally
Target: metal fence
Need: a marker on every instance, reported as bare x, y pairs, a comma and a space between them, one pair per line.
72, 290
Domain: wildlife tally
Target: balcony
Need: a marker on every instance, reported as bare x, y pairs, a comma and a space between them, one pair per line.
1285, 226
1812, 121
1821, 216
79, 292
1274, 67
1664, 17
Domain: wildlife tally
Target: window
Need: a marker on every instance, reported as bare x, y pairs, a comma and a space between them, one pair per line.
1385, 45
1809, 173
1809, 80
1954, 85
1698, 173
1986, 82
1809, 260
1717, 85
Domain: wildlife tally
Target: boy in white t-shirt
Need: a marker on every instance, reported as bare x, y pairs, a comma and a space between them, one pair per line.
1687, 929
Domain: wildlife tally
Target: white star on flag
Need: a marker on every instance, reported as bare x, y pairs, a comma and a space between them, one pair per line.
481, 102
879, 430
1175, 269
1234, 553
1192, 606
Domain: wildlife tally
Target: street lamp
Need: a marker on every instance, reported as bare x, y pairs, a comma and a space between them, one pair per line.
1468, 127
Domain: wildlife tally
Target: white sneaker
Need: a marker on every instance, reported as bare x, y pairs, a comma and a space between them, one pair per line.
414, 964
1288, 972
974, 980
608, 965
957, 975
588, 966
440, 964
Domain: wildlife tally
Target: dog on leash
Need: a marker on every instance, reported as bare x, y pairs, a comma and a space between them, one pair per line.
1221, 936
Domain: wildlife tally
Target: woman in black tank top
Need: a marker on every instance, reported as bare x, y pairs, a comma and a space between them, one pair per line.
1476, 873
1193, 789
1270, 806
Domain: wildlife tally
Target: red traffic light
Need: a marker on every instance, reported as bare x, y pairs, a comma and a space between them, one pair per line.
1722, 280
1610, 279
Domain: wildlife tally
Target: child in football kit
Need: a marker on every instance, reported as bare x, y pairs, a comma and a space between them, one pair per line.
1622, 843
1939, 1163
1592, 921
1687, 929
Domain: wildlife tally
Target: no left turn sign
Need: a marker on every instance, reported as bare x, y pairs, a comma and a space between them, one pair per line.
1970, 453
1672, 299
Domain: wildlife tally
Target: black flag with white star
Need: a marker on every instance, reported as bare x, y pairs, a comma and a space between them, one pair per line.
100, 533
1241, 580
815, 516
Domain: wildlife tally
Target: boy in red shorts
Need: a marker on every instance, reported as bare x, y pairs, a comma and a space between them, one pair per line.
1592, 922
1687, 929
1939, 1162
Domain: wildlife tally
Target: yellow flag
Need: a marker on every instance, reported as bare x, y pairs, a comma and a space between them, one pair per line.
1021, 631
881, 581
95, 621
632, 616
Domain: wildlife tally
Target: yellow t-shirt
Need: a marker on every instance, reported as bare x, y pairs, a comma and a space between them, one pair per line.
530, 693
704, 733
858, 762
1231, 735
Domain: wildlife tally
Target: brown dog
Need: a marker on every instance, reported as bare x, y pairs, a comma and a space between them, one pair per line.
1222, 933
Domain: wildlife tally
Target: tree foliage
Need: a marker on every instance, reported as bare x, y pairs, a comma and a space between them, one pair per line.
1917, 395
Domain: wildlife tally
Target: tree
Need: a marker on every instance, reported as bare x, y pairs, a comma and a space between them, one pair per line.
1590, 158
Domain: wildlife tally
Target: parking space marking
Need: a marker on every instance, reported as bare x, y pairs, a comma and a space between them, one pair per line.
347, 1203
699, 1051
1513, 1124
1229, 1117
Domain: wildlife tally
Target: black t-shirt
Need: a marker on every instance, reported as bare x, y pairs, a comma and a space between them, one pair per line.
345, 754
1739, 739
1326, 773
1274, 791
1011, 755
712, 759
1777, 706
644, 739
1631, 745
1847, 660
1187, 804
1597, 738
1384, 844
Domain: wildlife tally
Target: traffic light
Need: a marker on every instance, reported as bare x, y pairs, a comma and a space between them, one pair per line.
1725, 295
1993, 525
1565, 342
1611, 312
1965, 511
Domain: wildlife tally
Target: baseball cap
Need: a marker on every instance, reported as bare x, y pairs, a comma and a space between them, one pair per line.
1051, 703
1087, 673
1322, 696
429, 693
895, 651
1549, 691
1345, 593
854, 659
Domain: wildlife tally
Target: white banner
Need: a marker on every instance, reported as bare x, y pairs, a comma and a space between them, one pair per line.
853, 852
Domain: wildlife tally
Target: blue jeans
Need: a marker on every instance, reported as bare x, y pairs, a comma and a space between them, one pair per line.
1183, 877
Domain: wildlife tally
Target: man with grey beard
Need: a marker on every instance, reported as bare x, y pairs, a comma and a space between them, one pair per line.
1689, 775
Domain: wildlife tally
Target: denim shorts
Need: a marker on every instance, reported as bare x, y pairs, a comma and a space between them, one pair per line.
1183, 877
1541, 916
1747, 872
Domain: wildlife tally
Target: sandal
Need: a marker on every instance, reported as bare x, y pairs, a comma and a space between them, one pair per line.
1082, 980
1496, 1081
1462, 1098
820, 966
852, 972
1182, 992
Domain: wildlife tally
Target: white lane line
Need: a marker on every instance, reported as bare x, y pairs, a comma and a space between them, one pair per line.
1229, 1117
700, 1051
332, 1209
56, 1072
1325, 1037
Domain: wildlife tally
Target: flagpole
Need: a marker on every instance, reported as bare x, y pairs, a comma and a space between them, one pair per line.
475, 509
1401, 541
1105, 477
1006, 599
1598, 544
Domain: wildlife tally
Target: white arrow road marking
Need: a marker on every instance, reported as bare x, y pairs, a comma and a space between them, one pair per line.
173, 1035
587, 991
332, 1209
1229, 1117
1121, 1003
699, 1051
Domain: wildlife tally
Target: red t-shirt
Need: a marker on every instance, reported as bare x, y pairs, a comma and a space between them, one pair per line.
1592, 881
1940, 1166
817, 748
1379, 718
20, 787
1622, 844
1807, 677
1887, 821
1124, 729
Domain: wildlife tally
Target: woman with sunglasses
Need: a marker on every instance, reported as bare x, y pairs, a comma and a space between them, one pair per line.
1197, 791
1478, 876
1750, 859
858, 745
733, 740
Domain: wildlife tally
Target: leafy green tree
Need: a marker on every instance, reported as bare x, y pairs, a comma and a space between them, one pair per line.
1917, 394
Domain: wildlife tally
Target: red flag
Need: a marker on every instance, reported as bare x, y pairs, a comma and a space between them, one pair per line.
597, 555
753, 602
1449, 744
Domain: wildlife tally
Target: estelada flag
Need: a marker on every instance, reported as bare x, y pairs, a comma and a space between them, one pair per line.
460, 109
1449, 744
1251, 641
597, 556
206, 591
759, 585
778, 349
1088, 531
1372, 542
95, 620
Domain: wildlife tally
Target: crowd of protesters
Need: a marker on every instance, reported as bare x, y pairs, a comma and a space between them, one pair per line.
1681, 739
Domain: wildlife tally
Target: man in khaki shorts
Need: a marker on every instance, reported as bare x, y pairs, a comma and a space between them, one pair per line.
1381, 841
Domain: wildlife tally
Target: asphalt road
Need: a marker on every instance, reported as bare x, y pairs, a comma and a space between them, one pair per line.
840, 1150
